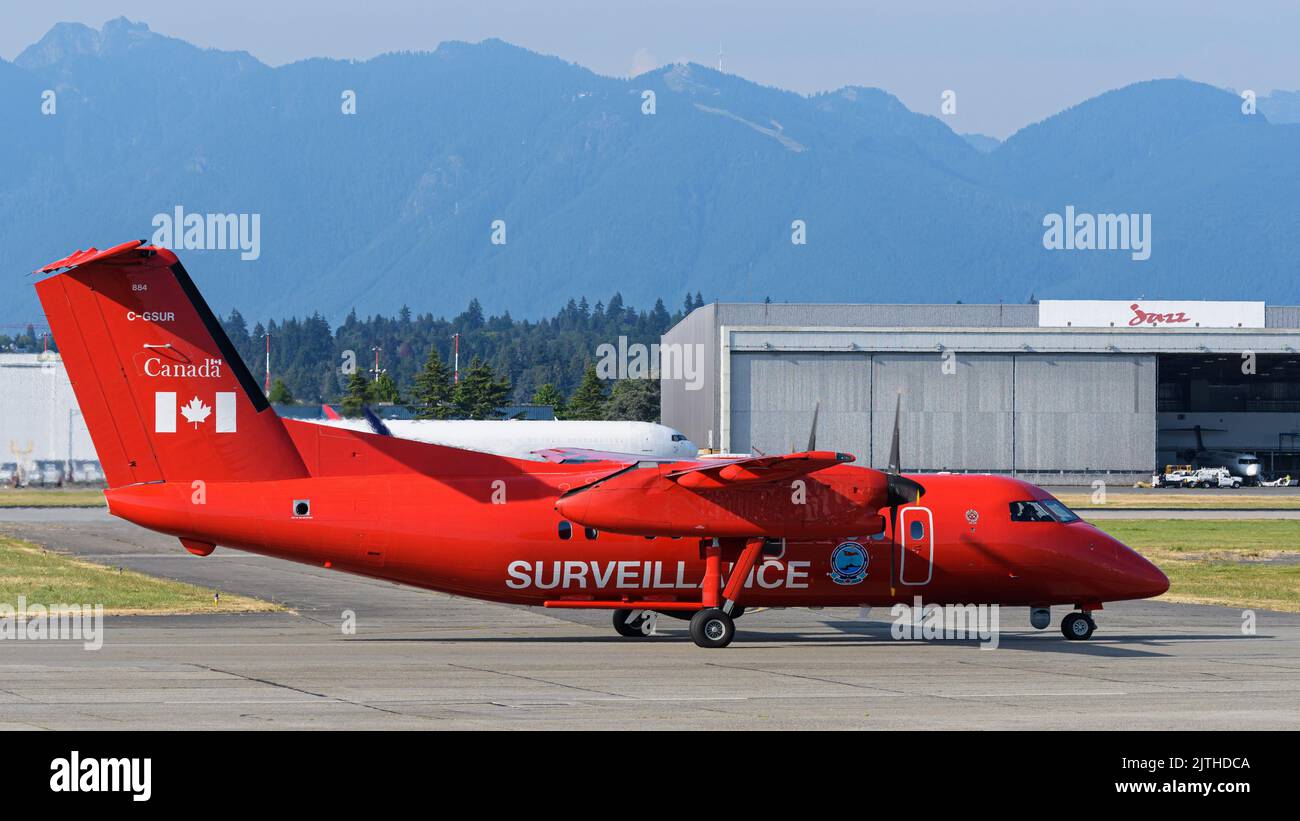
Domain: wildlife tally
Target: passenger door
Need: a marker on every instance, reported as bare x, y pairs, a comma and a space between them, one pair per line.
916, 540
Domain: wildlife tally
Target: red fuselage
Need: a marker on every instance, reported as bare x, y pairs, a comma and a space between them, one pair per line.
478, 525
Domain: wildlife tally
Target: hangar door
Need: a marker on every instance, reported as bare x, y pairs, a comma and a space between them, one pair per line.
1093, 412
956, 411
773, 394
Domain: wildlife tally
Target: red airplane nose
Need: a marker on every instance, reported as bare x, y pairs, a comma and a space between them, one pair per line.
1142, 579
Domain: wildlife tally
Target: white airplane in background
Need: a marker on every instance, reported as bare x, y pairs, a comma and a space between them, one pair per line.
523, 439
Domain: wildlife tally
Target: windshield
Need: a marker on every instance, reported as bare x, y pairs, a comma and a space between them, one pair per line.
1062, 513
1042, 510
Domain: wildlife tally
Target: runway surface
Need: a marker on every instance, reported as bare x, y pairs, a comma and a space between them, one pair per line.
427, 661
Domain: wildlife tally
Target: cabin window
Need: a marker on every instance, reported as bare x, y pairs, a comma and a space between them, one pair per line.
566, 530
917, 530
773, 548
591, 533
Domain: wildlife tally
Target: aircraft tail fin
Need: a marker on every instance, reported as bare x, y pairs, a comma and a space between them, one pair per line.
163, 391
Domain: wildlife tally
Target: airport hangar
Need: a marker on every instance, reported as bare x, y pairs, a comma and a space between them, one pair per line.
1059, 392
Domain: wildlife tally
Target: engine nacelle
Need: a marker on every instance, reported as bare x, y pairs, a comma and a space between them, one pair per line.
828, 503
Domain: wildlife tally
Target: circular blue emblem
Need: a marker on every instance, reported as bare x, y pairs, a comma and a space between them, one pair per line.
848, 563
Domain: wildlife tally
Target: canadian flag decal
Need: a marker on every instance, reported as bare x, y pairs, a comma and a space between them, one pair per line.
195, 412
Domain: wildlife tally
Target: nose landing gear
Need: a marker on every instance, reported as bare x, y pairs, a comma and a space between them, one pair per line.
1078, 626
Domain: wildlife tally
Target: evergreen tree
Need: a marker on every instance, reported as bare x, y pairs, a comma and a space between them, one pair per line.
479, 394
280, 393
357, 394
588, 401
472, 319
384, 389
633, 400
432, 394
548, 394
659, 318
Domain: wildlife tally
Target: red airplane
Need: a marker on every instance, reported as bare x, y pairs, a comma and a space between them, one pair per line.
190, 447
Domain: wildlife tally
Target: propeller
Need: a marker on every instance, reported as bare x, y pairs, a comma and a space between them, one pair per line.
376, 424
900, 489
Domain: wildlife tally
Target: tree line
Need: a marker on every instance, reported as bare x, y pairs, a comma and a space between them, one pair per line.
504, 361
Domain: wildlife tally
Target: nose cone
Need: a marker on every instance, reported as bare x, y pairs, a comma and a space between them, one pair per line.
1149, 580
1140, 578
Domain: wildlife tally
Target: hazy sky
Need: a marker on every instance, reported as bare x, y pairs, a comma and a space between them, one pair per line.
1010, 62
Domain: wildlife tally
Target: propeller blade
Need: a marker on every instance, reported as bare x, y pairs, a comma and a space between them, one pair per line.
812, 434
895, 463
903, 491
376, 424
893, 544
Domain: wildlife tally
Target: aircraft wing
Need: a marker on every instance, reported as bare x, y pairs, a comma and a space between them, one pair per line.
756, 469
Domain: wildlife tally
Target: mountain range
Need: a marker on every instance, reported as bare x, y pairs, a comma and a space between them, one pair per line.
399, 202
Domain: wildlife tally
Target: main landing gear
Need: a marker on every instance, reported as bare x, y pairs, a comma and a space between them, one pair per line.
634, 624
1078, 626
714, 623
711, 627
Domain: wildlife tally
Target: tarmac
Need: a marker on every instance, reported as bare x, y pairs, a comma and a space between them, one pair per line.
421, 660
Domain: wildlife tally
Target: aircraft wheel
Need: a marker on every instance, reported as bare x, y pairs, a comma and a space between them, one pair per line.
1078, 627
712, 628
634, 629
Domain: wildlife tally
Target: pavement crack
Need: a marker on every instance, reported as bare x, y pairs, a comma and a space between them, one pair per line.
805, 677
543, 681
302, 691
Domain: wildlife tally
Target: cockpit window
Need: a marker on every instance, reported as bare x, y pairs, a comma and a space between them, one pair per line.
1030, 511
1062, 513
679, 437
1042, 510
